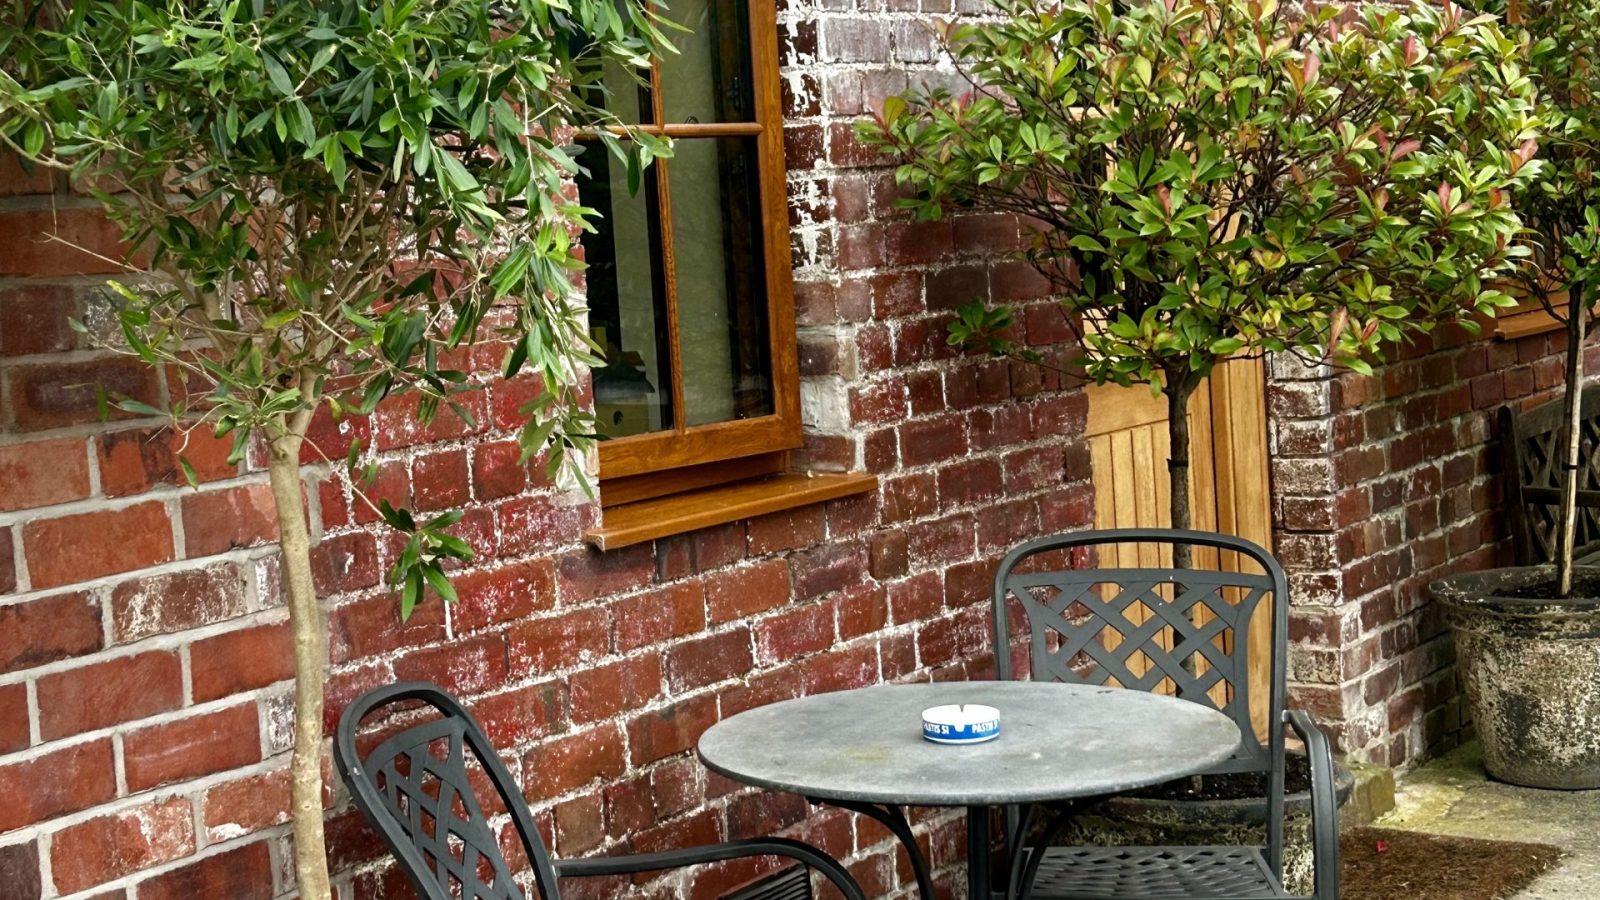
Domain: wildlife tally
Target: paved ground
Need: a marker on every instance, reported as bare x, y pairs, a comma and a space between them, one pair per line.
1451, 796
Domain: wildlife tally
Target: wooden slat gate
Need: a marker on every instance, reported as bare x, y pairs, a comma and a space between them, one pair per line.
1229, 487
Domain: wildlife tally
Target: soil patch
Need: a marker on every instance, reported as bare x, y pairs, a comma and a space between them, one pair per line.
1232, 786
1582, 586
1384, 864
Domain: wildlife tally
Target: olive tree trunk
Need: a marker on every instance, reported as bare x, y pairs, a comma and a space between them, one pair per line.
310, 657
1567, 520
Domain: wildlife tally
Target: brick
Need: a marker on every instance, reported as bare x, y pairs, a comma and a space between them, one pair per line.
241, 874
496, 471
861, 610
588, 574
573, 760
533, 524
840, 669
219, 521
658, 615
13, 717
558, 642
747, 590
36, 319
346, 562
109, 847
580, 824
176, 601
671, 729
796, 632
192, 747
372, 626
246, 805
487, 597
390, 482
463, 666
56, 783
134, 460
8, 562
62, 241
19, 872
108, 693
79, 547
440, 480
396, 424
41, 631
52, 395
240, 660
831, 567
520, 715
702, 661
787, 530
932, 440
599, 692
15, 180
43, 473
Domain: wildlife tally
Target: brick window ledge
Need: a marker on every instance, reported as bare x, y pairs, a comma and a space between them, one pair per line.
646, 520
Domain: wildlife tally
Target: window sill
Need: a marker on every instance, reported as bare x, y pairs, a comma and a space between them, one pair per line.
646, 520
1521, 323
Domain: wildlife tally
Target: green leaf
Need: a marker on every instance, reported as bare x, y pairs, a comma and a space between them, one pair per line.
277, 74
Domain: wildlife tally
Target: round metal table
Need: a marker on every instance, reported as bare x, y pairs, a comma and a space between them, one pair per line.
863, 750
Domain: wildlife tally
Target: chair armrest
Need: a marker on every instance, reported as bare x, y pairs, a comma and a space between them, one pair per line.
1324, 804
711, 853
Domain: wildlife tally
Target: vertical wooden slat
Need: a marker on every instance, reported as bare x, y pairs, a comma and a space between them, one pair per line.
1228, 483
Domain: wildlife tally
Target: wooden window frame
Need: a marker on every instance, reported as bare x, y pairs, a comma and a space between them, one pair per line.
679, 458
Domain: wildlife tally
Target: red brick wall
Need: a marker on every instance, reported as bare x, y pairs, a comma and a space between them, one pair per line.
144, 706
1382, 485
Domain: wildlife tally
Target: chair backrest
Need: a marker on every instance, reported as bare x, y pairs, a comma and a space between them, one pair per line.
414, 788
1149, 628
1533, 450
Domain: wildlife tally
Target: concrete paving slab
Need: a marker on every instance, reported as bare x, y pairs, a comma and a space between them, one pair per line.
1452, 795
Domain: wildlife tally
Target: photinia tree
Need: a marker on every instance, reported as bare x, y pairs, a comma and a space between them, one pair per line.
1210, 179
339, 197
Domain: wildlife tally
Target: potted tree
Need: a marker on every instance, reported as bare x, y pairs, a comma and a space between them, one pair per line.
1528, 638
342, 200
1217, 180
1210, 180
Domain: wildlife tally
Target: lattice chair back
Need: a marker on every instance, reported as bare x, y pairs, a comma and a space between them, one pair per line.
1535, 450
1182, 631
414, 788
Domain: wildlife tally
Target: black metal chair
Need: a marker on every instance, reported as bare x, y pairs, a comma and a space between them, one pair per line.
414, 788
1180, 628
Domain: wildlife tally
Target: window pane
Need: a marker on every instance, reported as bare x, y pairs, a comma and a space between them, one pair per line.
623, 92
721, 280
709, 79
627, 297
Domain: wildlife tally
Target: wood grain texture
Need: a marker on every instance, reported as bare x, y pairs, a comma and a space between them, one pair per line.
1229, 486
646, 520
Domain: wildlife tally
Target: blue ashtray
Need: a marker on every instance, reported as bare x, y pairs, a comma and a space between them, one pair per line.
966, 723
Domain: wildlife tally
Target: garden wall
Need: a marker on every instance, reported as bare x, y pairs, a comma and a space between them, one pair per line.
143, 657
144, 702
1382, 485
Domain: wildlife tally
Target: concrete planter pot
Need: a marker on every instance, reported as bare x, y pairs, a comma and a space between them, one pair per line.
1531, 671
1135, 821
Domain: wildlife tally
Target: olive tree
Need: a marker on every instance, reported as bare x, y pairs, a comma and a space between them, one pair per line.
1217, 178
336, 195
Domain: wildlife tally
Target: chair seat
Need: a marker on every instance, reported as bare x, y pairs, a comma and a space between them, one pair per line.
1155, 873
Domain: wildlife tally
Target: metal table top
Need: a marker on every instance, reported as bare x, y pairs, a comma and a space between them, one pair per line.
1057, 742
